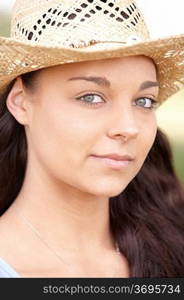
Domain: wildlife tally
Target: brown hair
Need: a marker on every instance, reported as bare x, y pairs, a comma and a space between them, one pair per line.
146, 219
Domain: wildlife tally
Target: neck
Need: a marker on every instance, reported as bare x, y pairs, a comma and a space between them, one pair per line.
64, 215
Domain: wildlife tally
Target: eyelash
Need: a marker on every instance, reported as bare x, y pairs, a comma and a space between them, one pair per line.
153, 106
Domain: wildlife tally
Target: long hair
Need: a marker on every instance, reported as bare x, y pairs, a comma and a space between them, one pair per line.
146, 219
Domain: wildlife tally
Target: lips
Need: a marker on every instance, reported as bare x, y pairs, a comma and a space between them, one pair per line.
116, 157
114, 161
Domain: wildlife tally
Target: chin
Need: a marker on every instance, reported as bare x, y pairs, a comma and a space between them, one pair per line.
108, 190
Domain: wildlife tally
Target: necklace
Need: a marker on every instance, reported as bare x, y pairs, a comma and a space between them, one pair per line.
55, 253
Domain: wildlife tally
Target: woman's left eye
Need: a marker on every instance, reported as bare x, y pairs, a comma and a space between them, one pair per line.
90, 99
147, 103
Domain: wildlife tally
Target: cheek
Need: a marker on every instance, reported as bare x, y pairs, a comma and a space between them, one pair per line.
62, 140
143, 145
147, 137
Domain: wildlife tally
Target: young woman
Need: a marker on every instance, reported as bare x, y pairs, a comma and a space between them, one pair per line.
87, 183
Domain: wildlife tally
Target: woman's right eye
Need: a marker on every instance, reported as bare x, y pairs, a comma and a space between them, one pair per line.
90, 99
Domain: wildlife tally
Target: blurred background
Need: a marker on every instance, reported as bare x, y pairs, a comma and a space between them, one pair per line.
164, 18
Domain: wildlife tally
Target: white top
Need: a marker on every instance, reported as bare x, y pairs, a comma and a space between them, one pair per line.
6, 271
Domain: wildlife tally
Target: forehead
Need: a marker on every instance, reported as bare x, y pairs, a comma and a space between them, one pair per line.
126, 68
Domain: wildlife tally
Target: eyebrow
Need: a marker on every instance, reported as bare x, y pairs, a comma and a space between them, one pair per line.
102, 81
148, 84
98, 80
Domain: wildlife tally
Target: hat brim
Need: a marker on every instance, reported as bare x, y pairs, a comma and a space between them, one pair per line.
17, 58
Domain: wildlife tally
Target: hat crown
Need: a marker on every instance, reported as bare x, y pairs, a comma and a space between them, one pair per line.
77, 23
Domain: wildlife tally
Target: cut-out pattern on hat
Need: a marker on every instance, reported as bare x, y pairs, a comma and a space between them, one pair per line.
77, 24
42, 27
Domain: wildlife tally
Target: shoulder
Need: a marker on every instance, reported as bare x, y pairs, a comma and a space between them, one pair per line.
6, 248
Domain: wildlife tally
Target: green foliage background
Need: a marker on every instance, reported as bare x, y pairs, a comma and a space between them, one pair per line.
178, 150
4, 24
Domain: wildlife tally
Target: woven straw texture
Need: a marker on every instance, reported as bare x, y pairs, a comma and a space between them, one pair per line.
50, 32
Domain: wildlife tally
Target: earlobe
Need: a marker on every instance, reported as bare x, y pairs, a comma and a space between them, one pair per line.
16, 102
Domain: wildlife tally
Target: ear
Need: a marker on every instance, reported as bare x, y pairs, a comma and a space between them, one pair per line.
16, 102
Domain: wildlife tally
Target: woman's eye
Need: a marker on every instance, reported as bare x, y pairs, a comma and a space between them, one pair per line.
147, 103
90, 99
94, 99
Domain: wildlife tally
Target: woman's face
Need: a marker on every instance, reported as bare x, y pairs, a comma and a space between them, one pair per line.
82, 110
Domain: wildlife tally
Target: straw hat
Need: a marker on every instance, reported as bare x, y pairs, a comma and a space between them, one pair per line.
50, 32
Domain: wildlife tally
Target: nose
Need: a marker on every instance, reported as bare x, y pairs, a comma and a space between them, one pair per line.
123, 124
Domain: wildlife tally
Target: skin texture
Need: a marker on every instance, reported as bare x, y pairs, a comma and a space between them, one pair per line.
66, 191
